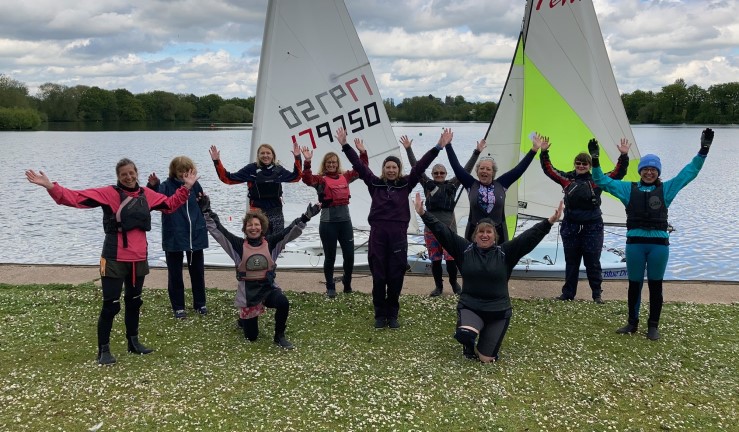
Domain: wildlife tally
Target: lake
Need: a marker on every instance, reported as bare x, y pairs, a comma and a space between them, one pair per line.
705, 245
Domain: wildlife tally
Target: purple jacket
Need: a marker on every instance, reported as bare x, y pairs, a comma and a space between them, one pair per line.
390, 198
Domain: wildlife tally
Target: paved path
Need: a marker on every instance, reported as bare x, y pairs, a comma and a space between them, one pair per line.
313, 281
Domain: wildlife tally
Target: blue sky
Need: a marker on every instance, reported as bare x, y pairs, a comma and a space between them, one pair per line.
416, 47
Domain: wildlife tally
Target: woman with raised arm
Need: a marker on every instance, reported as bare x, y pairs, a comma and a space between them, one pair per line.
123, 263
647, 236
441, 199
388, 218
332, 185
254, 256
582, 224
487, 193
484, 309
183, 233
264, 178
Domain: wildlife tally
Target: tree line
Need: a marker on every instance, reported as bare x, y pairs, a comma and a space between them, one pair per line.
676, 103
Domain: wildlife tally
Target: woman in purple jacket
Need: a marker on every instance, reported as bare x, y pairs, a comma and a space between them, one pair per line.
389, 216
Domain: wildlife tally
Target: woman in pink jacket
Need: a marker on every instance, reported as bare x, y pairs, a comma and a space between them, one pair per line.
123, 263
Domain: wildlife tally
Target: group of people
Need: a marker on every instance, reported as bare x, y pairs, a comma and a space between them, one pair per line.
484, 256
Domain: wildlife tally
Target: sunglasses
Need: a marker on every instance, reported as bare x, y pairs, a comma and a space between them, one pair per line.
438, 172
580, 163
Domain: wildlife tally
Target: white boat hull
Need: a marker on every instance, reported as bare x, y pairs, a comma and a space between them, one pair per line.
545, 262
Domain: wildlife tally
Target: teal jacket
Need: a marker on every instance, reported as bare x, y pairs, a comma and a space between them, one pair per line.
622, 190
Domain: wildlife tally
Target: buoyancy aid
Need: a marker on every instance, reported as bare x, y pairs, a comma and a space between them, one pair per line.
440, 196
264, 185
646, 210
133, 213
256, 262
496, 214
335, 191
580, 195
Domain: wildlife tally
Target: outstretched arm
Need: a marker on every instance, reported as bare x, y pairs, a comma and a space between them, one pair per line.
622, 164
524, 243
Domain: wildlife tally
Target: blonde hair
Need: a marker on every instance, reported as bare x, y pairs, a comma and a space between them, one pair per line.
322, 171
180, 165
272, 149
256, 213
484, 223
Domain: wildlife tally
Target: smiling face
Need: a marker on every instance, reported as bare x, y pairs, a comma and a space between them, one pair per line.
331, 164
265, 154
128, 176
485, 236
390, 170
649, 175
438, 173
581, 167
253, 228
486, 172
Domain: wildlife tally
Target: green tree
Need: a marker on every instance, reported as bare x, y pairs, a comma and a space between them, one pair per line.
129, 108
13, 93
59, 102
672, 102
19, 118
724, 100
97, 104
230, 113
207, 106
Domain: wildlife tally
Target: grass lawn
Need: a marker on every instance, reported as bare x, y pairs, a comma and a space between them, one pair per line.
563, 368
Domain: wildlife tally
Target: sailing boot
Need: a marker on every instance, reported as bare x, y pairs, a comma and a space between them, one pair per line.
104, 356
629, 328
467, 338
331, 289
282, 342
346, 280
439, 288
451, 269
652, 333
136, 347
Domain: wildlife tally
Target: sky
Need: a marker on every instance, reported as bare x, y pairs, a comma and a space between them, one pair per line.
416, 47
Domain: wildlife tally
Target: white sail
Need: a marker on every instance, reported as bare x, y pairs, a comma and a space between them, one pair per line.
314, 77
561, 85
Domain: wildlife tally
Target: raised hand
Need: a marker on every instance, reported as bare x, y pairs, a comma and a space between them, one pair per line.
153, 179
359, 144
312, 210
624, 146
418, 202
540, 142
341, 135
190, 178
39, 179
215, 154
593, 148
405, 142
307, 153
481, 145
446, 137
706, 140
557, 213
296, 149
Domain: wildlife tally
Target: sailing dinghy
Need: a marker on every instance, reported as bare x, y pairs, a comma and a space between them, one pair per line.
314, 77
561, 85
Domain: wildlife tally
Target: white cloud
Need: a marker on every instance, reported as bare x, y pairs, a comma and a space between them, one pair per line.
417, 47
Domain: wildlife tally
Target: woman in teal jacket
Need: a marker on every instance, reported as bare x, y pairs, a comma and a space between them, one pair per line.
647, 237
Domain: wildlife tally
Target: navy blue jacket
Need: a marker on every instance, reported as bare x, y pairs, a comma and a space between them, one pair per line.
183, 230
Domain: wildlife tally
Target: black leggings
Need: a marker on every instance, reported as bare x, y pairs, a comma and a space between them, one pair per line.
276, 300
330, 233
491, 326
112, 288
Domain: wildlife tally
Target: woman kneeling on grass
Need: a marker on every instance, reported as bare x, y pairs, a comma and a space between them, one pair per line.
126, 218
484, 308
255, 257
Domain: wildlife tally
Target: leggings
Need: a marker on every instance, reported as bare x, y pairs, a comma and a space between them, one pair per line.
330, 233
492, 327
276, 300
112, 288
652, 258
